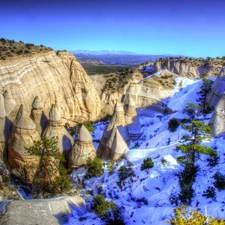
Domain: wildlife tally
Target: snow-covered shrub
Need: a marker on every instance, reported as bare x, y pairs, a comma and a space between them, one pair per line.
173, 125
219, 181
210, 193
186, 194
125, 172
147, 164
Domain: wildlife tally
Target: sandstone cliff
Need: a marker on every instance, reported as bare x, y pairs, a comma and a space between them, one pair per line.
191, 68
53, 77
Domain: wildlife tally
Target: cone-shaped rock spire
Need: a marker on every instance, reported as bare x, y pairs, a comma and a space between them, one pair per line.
82, 149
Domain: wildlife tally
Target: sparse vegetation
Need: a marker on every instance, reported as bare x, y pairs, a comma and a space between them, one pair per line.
147, 164
94, 167
219, 182
183, 216
173, 125
102, 207
11, 48
125, 172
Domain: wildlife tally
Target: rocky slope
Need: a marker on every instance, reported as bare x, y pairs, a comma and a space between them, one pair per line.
54, 78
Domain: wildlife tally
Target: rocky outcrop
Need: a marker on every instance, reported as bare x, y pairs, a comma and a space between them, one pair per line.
41, 212
146, 95
51, 77
218, 89
191, 68
134, 130
115, 146
82, 149
55, 128
37, 115
23, 135
130, 111
217, 120
7, 104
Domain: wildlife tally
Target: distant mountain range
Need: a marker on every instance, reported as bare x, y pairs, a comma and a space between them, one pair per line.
117, 57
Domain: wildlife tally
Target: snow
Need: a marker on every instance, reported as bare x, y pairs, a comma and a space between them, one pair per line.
146, 196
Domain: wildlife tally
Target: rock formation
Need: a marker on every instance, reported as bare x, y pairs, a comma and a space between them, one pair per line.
106, 149
218, 89
115, 146
193, 68
217, 120
38, 211
55, 128
82, 149
51, 76
37, 115
130, 111
23, 136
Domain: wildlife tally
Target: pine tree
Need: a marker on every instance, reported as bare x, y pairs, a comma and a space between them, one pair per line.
49, 165
205, 89
199, 131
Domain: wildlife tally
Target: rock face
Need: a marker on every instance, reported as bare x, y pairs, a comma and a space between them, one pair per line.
189, 68
82, 149
55, 128
130, 111
145, 96
41, 212
23, 135
217, 120
7, 104
218, 89
51, 77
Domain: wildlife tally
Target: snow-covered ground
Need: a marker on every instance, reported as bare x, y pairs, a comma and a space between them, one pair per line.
146, 197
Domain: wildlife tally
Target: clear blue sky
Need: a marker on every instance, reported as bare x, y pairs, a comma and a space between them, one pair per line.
192, 28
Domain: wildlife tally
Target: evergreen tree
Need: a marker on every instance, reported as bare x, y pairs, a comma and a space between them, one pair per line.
199, 131
205, 89
49, 168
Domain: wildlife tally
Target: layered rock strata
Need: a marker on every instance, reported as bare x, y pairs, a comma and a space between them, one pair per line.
51, 76
23, 135
82, 149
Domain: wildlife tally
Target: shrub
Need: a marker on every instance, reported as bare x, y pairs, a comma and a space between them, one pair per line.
125, 172
213, 161
187, 176
94, 167
210, 193
101, 207
89, 125
173, 125
186, 194
147, 164
184, 217
110, 166
219, 181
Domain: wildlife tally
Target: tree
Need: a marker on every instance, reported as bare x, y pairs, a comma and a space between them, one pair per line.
199, 131
50, 160
205, 89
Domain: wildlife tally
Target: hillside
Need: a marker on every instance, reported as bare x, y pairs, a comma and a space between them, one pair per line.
149, 192
11, 48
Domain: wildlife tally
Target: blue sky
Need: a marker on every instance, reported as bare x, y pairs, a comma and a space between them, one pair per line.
192, 28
